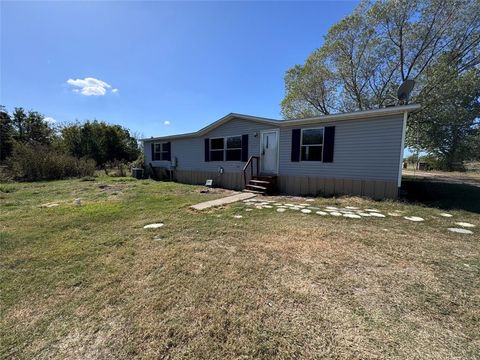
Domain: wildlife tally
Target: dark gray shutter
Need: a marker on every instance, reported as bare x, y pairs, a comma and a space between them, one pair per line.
244, 147
295, 145
153, 151
329, 144
169, 151
207, 149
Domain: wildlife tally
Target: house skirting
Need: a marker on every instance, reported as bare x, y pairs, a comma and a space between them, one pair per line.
297, 185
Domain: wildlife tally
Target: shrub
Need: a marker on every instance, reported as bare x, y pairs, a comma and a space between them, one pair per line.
33, 162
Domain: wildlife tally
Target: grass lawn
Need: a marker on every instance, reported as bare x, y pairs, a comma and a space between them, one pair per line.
89, 282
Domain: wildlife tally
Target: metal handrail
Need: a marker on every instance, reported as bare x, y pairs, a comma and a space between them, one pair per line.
250, 162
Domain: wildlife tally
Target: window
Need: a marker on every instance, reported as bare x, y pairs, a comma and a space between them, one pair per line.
216, 149
312, 144
160, 151
228, 149
234, 148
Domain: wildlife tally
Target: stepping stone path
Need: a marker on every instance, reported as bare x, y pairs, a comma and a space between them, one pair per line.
465, 224
153, 226
414, 218
460, 231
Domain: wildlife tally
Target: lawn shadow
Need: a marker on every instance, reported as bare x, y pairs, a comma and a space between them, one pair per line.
442, 195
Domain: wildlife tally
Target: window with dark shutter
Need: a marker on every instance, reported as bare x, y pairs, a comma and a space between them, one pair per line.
245, 147
312, 144
207, 150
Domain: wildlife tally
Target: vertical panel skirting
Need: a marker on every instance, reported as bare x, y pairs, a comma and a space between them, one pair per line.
317, 186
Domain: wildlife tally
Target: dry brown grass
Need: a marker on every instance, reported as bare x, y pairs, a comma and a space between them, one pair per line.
269, 285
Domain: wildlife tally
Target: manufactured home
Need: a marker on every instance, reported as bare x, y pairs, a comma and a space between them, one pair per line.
357, 153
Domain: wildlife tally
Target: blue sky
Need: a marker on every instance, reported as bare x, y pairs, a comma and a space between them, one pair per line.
162, 67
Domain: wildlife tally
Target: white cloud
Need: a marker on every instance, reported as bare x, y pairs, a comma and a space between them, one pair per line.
166, 122
50, 120
114, 90
90, 86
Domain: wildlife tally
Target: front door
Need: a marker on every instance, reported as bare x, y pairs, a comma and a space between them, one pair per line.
269, 151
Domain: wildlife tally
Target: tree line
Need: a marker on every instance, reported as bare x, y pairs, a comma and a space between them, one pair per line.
32, 148
368, 54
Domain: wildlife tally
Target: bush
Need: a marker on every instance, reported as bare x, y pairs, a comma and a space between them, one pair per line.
38, 162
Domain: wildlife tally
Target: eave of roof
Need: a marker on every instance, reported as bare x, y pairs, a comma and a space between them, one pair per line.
360, 115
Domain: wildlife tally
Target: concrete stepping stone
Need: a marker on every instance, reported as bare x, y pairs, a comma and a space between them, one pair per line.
352, 216
394, 214
372, 210
306, 211
336, 213
268, 206
281, 210
414, 218
351, 207
460, 231
237, 216
249, 209
465, 224
446, 215
364, 214
323, 213
153, 226
331, 208
375, 214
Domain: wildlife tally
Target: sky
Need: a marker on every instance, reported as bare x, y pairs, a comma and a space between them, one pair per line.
157, 68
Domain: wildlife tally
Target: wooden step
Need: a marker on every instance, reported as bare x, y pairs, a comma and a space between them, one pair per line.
260, 182
254, 191
256, 187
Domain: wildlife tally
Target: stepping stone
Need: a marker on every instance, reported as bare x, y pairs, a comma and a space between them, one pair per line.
153, 226
465, 224
331, 208
306, 211
313, 208
394, 214
258, 207
323, 213
446, 215
352, 216
336, 213
289, 205
295, 208
351, 207
414, 218
157, 238
268, 206
364, 214
305, 204
377, 215
460, 231
281, 210
237, 216
372, 210
277, 204
248, 209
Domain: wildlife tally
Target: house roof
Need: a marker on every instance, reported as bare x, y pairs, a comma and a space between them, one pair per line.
360, 115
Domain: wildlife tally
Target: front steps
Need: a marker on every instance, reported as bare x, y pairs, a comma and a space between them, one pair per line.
262, 184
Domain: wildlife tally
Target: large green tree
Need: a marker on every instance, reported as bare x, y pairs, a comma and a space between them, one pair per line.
99, 141
449, 125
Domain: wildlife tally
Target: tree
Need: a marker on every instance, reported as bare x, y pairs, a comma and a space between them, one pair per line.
448, 126
370, 52
99, 141
31, 127
6, 134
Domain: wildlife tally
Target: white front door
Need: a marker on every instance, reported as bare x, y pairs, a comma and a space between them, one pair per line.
269, 152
